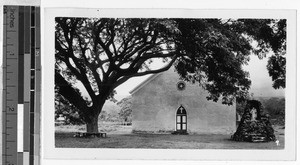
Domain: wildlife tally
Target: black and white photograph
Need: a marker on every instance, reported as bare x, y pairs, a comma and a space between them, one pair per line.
185, 83
149, 82
198, 92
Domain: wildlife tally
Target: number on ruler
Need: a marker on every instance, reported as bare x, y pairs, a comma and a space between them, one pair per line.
37, 53
11, 109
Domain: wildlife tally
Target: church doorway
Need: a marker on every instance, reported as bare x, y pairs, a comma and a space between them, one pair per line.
181, 120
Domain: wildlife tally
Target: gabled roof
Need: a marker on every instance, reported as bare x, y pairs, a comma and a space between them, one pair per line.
143, 83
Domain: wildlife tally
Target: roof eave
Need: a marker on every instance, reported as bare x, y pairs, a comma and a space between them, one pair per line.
145, 82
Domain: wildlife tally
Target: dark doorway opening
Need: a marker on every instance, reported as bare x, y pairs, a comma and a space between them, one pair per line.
181, 120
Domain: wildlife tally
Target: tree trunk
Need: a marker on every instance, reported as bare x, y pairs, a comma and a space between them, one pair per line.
92, 124
92, 127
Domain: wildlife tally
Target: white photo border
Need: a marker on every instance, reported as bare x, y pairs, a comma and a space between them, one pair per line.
47, 129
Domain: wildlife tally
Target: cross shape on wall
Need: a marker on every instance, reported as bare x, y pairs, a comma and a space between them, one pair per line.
181, 109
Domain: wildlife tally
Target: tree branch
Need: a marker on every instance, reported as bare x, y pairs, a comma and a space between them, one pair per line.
103, 45
73, 96
91, 66
69, 54
165, 68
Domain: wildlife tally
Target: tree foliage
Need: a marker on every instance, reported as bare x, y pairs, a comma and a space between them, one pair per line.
275, 107
103, 53
270, 36
126, 109
67, 110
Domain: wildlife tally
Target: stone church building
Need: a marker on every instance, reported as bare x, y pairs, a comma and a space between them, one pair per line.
164, 103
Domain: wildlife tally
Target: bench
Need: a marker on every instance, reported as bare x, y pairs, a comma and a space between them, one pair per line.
90, 134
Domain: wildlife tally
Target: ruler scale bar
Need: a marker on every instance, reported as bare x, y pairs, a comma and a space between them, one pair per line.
21, 55
32, 16
4, 86
4, 94
32, 40
37, 86
20, 158
20, 128
27, 29
27, 78
11, 18
32, 87
21, 85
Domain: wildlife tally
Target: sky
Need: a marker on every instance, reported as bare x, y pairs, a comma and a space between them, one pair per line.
261, 85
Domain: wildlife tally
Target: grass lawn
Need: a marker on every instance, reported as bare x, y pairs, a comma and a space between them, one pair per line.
119, 136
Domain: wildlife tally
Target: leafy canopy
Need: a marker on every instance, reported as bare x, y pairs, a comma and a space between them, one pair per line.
102, 53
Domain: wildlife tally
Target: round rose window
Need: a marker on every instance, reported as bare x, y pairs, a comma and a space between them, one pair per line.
181, 85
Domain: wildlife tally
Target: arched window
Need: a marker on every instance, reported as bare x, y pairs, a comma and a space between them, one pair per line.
181, 119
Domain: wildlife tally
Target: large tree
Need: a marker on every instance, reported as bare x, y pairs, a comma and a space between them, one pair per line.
103, 53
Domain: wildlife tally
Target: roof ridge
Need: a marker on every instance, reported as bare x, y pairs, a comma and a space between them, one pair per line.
143, 83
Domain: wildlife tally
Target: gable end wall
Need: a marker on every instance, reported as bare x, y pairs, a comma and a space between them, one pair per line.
155, 105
